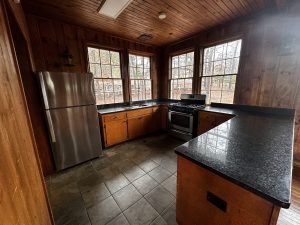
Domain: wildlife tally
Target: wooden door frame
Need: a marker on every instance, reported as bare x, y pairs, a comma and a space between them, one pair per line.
17, 100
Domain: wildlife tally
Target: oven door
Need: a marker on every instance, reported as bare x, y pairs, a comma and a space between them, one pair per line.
181, 121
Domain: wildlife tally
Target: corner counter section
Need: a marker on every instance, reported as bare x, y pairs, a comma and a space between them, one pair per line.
245, 160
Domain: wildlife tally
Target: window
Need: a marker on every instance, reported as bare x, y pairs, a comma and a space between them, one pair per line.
182, 71
140, 78
220, 68
105, 65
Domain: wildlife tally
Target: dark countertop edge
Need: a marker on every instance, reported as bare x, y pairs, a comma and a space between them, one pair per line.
124, 104
123, 110
254, 108
127, 108
281, 204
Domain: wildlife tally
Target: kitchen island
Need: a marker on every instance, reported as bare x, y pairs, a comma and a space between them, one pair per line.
239, 172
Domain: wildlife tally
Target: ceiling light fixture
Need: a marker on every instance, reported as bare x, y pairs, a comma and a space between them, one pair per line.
145, 37
162, 15
113, 8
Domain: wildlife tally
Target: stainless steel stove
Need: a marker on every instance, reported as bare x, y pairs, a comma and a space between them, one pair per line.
183, 115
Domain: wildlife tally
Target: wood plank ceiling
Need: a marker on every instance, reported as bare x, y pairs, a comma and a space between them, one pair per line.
184, 17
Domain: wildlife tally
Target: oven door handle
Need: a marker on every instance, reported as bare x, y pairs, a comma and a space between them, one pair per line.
180, 113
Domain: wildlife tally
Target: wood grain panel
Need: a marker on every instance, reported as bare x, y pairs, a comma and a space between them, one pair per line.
22, 191
209, 120
141, 16
139, 112
270, 59
291, 216
35, 105
52, 38
114, 116
242, 206
115, 132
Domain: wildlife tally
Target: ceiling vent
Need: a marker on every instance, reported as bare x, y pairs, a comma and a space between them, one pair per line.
145, 37
113, 8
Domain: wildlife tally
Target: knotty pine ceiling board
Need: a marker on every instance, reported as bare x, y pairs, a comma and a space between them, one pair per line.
184, 17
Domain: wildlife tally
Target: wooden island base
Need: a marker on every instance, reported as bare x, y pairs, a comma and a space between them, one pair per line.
204, 198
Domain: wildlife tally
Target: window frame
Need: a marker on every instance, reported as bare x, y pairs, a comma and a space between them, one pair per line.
202, 64
101, 47
178, 53
141, 54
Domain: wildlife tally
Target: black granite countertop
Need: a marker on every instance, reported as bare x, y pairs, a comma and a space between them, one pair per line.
121, 108
254, 150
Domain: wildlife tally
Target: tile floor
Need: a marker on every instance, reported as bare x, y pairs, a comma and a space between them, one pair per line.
132, 183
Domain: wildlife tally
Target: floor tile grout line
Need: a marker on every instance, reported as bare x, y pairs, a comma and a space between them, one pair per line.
132, 203
164, 211
143, 197
86, 211
148, 191
168, 205
153, 208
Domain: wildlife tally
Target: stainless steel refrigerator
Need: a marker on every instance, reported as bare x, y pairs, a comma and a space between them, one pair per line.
72, 118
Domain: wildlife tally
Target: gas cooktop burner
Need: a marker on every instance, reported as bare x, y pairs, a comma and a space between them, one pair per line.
190, 103
184, 107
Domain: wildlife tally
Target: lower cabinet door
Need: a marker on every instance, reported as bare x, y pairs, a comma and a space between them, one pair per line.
148, 124
136, 127
156, 123
115, 132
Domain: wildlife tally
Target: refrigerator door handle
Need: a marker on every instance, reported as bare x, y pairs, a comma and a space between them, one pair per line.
51, 128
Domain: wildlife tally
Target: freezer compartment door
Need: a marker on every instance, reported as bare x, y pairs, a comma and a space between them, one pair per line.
74, 134
60, 89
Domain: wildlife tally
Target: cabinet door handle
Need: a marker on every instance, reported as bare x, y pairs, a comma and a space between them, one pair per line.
216, 201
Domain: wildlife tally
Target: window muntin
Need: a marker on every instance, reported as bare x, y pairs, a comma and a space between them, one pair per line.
181, 77
140, 77
108, 85
220, 68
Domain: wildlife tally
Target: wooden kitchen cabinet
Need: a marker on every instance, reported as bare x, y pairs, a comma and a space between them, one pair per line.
114, 128
164, 117
206, 198
122, 126
115, 132
114, 117
135, 127
139, 126
156, 123
209, 120
138, 112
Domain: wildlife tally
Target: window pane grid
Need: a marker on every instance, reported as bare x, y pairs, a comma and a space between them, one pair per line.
108, 84
140, 77
220, 68
181, 76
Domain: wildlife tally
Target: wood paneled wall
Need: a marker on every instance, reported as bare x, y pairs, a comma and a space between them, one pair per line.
269, 72
22, 191
23, 53
50, 39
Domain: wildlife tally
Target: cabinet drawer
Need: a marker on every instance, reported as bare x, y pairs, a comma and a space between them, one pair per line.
138, 112
114, 117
